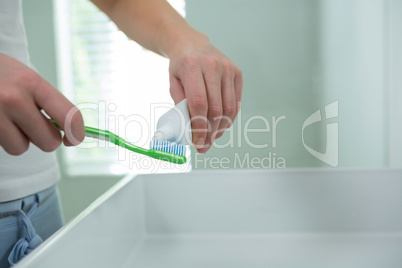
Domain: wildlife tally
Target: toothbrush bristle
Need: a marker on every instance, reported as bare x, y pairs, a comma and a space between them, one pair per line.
167, 146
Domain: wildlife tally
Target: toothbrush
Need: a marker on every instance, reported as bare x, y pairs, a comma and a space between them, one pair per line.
160, 149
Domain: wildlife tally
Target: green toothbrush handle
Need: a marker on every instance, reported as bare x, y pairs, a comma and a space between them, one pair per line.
113, 138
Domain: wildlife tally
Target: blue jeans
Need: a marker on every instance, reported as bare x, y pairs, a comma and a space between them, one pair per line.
26, 222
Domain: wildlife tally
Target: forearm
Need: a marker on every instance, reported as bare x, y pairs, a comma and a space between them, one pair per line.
152, 23
198, 71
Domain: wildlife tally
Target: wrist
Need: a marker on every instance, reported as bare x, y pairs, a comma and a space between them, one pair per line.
182, 38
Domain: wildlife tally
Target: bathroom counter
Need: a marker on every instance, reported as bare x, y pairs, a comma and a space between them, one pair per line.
242, 218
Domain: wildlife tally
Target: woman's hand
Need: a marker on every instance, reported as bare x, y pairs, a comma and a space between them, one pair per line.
211, 83
199, 72
23, 93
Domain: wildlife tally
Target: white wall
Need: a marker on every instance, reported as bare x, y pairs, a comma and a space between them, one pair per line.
394, 22
353, 57
298, 56
275, 43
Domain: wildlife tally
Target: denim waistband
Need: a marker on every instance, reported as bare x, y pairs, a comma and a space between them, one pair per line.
15, 206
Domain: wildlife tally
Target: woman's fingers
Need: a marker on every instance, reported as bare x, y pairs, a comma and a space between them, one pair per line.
60, 109
192, 81
12, 139
212, 85
212, 80
23, 94
228, 101
35, 126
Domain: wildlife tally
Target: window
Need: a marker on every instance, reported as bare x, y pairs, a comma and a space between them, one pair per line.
118, 86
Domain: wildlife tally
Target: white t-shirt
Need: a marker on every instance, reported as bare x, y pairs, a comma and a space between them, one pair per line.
34, 170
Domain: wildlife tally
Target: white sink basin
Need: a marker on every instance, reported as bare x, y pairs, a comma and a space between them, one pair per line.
290, 218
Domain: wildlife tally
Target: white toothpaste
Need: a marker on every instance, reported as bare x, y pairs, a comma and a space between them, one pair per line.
174, 125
